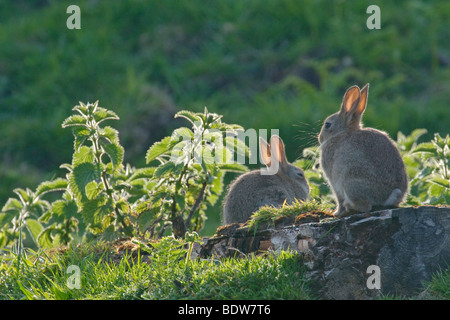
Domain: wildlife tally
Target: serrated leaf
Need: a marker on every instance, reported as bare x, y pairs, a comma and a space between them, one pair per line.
227, 128
436, 190
6, 218
147, 218
207, 159
190, 116
182, 133
58, 184
24, 195
115, 152
45, 238
92, 190
142, 173
441, 181
83, 155
216, 189
81, 109
223, 155
237, 145
81, 134
233, 167
102, 114
425, 147
157, 149
74, 120
164, 169
95, 210
109, 134
12, 207
81, 176
35, 228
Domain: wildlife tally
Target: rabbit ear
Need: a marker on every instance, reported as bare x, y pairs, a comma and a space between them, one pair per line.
351, 97
278, 149
362, 100
264, 150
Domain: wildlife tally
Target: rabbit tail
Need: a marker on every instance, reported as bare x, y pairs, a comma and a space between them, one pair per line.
395, 198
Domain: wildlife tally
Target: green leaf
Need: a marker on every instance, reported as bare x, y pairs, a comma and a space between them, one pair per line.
147, 218
441, 181
233, 167
236, 145
227, 128
223, 155
164, 169
65, 208
35, 228
74, 120
12, 207
81, 109
81, 134
216, 188
190, 116
157, 149
83, 155
24, 195
182, 133
95, 210
115, 152
425, 147
435, 191
92, 190
6, 219
142, 173
440, 142
205, 157
407, 142
109, 134
102, 114
58, 184
45, 238
81, 176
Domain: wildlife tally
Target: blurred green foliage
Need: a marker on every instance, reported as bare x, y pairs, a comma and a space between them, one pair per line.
262, 64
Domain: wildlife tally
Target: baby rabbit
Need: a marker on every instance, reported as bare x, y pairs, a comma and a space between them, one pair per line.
362, 165
266, 186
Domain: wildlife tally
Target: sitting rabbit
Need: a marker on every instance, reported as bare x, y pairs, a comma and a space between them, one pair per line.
362, 165
267, 186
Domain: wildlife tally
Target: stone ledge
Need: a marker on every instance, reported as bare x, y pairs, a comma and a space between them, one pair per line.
407, 244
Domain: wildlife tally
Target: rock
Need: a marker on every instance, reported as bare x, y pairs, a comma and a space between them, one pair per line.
391, 251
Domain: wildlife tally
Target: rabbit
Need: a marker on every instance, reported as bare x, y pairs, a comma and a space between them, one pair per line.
267, 186
362, 165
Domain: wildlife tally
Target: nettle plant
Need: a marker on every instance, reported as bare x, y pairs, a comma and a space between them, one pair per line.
189, 177
428, 166
102, 197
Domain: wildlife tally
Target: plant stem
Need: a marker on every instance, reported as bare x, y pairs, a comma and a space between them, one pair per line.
197, 203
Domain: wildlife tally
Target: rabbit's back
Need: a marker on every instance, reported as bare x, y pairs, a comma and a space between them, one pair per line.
368, 156
251, 191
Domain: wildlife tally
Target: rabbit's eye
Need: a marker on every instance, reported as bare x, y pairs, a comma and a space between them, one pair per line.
327, 125
300, 174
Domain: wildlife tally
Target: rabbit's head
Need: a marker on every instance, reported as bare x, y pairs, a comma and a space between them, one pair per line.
274, 157
349, 116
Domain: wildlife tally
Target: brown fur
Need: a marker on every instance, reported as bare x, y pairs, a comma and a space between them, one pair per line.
362, 165
253, 190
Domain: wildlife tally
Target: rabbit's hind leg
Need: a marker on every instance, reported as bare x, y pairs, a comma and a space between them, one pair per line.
358, 203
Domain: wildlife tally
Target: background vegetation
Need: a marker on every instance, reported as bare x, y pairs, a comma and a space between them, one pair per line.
261, 64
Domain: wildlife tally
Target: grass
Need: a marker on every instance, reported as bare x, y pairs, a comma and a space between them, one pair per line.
158, 271
161, 275
268, 215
